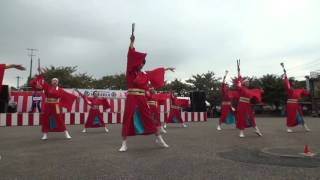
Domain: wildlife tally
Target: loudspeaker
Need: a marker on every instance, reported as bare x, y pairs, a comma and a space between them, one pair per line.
198, 103
4, 98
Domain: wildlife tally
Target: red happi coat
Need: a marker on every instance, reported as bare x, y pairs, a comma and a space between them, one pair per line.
294, 112
95, 117
227, 96
137, 118
50, 118
2, 69
244, 113
175, 112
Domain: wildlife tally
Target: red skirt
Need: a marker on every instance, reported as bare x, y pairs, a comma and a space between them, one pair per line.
174, 116
155, 115
51, 120
245, 116
227, 115
137, 117
95, 119
294, 115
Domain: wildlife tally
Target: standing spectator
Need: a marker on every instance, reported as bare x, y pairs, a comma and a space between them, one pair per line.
36, 101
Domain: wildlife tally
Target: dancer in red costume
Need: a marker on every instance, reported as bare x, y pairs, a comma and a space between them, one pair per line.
244, 113
175, 112
294, 111
56, 97
36, 94
137, 118
3, 67
95, 117
227, 111
153, 103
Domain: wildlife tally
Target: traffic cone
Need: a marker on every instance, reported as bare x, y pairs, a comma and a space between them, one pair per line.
306, 151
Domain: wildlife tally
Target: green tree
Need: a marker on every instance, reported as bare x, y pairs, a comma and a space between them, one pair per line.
67, 77
208, 83
254, 82
274, 93
83, 80
177, 86
117, 82
64, 74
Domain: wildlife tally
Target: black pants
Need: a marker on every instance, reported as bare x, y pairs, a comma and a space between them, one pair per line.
35, 104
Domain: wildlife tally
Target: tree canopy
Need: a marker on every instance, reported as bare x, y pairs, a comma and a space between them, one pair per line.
274, 94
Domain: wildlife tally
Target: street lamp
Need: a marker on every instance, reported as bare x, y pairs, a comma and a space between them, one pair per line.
31, 55
18, 81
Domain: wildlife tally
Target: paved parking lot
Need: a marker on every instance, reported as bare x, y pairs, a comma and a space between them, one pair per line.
195, 153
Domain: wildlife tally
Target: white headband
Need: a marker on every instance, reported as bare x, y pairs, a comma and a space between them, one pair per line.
55, 79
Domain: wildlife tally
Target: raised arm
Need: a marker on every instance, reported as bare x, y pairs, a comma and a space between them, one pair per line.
224, 77
16, 66
85, 98
39, 83
238, 68
170, 69
286, 82
284, 70
132, 38
223, 87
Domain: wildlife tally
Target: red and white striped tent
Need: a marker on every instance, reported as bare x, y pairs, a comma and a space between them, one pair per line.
79, 110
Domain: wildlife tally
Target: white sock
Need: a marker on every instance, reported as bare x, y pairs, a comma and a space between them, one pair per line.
67, 135
258, 131
123, 146
241, 133
306, 127
161, 142
44, 136
162, 130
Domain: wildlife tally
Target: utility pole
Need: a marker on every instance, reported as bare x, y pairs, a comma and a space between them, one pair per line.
18, 81
31, 55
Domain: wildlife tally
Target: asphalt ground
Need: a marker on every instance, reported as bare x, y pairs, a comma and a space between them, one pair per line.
196, 152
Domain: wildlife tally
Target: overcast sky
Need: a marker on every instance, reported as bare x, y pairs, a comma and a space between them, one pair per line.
195, 36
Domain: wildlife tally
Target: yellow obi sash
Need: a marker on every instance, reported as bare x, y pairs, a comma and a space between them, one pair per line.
136, 92
52, 100
175, 107
244, 99
226, 103
95, 107
294, 101
152, 103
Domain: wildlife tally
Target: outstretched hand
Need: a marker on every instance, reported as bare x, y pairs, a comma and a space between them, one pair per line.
17, 66
20, 67
77, 90
170, 69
